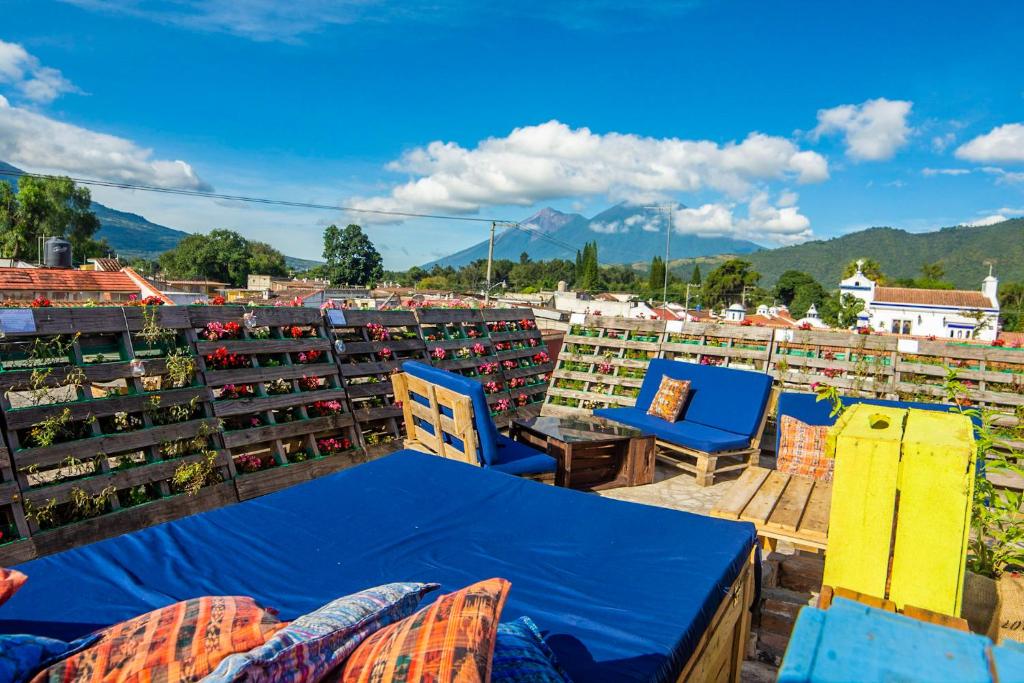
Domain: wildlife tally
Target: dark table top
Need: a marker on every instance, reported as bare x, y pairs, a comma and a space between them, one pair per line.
580, 428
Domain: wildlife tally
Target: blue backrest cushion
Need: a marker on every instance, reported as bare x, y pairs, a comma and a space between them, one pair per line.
807, 409
486, 432
723, 398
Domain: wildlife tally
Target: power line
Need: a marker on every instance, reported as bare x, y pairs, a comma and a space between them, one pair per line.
254, 200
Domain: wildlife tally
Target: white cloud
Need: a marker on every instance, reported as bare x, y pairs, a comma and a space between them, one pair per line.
987, 220
551, 161
873, 130
779, 223
33, 81
38, 143
1002, 144
1004, 177
941, 142
644, 222
944, 171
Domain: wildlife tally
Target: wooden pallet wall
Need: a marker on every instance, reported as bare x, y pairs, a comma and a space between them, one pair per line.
98, 421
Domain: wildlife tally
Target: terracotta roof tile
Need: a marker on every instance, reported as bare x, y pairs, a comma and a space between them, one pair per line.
932, 297
64, 280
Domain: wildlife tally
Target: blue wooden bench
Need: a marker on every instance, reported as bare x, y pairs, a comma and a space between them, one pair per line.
722, 423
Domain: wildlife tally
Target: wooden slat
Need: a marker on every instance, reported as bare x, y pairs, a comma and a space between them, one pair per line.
740, 492
814, 524
766, 498
787, 514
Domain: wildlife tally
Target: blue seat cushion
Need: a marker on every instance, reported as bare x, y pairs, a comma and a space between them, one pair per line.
726, 399
690, 434
518, 458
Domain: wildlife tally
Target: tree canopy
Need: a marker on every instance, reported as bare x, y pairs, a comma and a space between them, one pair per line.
221, 255
588, 272
726, 283
48, 207
351, 257
869, 267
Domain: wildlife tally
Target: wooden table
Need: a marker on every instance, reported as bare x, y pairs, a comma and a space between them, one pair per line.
783, 507
592, 453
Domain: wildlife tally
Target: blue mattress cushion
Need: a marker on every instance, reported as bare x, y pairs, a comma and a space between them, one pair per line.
522, 656
722, 398
487, 433
518, 458
21, 655
690, 434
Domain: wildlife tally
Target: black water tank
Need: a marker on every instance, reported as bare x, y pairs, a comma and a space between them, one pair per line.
57, 253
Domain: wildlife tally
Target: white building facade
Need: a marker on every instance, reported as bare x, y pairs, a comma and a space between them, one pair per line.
940, 313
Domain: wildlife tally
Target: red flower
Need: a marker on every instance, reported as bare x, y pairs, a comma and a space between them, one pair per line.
217, 300
40, 302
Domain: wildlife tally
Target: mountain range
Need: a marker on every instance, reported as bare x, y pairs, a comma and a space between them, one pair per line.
963, 251
132, 236
624, 233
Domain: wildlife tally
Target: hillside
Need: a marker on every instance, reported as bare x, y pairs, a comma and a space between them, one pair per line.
624, 233
131, 235
962, 251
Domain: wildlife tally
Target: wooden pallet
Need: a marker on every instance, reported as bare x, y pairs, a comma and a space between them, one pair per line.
783, 507
519, 347
94, 422
277, 420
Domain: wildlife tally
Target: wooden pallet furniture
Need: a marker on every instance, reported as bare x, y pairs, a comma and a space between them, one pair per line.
371, 346
602, 364
733, 346
285, 413
104, 409
444, 415
457, 340
522, 355
593, 454
783, 507
828, 594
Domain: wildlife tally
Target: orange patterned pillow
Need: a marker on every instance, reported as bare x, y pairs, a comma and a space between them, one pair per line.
671, 397
450, 640
10, 581
802, 449
181, 642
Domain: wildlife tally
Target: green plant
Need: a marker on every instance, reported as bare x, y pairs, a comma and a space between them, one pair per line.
44, 515
84, 505
190, 477
181, 367
997, 541
46, 432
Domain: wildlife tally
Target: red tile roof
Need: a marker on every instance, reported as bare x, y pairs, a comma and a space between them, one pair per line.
932, 297
665, 313
65, 280
763, 321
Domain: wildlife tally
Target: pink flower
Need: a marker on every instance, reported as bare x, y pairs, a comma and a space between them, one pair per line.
509, 364
541, 357
502, 405
439, 354
491, 387
385, 353
606, 368
479, 349
533, 341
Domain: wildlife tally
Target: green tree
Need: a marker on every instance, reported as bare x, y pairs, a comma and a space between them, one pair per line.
788, 284
807, 294
726, 283
695, 275
840, 310
221, 255
869, 267
588, 271
524, 258
48, 207
1011, 306
656, 279
351, 257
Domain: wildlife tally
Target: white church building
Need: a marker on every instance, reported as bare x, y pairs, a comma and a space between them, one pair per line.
942, 313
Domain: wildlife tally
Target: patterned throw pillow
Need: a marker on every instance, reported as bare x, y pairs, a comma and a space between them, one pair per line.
802, 449
447, 641
180, 642
671, 397
309, 647
522, 656
10, 581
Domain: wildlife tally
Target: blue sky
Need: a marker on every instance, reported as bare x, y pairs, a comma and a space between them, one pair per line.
776, 122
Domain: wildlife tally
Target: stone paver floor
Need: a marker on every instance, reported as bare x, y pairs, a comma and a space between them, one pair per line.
676, 489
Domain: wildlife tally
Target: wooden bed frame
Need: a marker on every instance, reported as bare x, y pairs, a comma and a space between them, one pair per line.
706, 465
722, 647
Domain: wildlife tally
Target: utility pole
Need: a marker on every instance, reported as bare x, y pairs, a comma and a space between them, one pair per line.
667, 208
490, 264
686, 306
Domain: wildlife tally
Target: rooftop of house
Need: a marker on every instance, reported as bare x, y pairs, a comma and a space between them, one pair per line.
205, 283
110, 265
66, 280
932, 297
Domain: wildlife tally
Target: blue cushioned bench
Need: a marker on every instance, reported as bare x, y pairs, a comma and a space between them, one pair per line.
447, 414
721, 425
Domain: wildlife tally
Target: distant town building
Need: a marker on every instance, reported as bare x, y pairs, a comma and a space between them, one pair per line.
948, 313
69, 287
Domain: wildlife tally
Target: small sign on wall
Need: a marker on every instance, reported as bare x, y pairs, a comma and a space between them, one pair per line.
577, 318
674, 326
906, 345
17, 321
